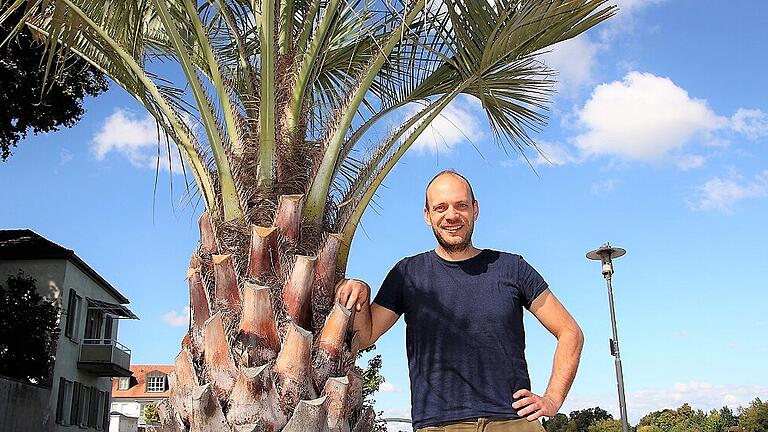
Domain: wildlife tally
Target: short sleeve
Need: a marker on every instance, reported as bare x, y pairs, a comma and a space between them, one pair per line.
390, 293
531, 283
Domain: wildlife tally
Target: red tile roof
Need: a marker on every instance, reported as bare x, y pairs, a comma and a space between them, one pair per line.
138, 388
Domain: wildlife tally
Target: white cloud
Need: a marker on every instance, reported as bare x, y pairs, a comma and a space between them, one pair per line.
454, 125
135, 138
574, 60
604, 187
176, 319
387, 387
553, 154
753, 123
642, 117
624, 21
723, 193
690, 161
629, 6
65, 157
700, 395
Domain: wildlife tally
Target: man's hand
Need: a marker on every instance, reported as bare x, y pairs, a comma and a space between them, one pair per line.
534, 406
353, 292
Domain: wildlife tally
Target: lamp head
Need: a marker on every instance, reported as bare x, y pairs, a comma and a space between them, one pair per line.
605, 254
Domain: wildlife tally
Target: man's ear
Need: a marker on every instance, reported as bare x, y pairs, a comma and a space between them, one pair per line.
426, 217
476, 207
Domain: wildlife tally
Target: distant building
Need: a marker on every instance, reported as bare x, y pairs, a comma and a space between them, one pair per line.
88, 354
147, 386
398, 425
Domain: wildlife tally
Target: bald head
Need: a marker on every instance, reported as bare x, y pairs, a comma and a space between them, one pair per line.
448, 173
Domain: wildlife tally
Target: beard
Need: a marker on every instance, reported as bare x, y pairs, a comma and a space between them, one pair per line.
454, 245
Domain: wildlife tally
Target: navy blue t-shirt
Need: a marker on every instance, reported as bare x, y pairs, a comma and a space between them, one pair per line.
464, 332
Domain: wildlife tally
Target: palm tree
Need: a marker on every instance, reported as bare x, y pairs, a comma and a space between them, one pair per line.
285, 91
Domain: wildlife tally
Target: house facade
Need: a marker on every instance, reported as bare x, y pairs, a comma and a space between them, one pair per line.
88, 354
147, 386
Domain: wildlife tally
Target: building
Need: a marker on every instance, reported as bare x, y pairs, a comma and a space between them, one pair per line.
147, 386
88, 354
396, 424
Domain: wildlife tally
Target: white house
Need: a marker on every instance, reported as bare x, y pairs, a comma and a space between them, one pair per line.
147, 386
88, 354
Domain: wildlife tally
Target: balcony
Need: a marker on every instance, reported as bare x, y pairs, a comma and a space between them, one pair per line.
104, 357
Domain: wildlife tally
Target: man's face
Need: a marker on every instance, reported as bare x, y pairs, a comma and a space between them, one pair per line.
451, 212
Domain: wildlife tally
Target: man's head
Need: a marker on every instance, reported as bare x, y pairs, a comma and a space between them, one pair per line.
451, 210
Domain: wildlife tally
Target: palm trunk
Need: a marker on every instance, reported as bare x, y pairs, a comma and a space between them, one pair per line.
267, 349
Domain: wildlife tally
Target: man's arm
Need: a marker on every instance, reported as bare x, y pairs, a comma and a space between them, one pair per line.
370, 320
555, 318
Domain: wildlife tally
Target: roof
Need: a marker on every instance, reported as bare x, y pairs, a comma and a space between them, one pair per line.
138, 388
24, 244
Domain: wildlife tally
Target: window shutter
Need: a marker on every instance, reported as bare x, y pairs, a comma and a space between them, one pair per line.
93, 407
60, 401
75, 404
105, 421
71, 314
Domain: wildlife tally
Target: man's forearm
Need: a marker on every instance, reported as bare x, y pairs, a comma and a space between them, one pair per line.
565, 364
362, 327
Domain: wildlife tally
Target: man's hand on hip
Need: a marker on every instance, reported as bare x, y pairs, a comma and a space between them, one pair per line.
353, 293
534, 406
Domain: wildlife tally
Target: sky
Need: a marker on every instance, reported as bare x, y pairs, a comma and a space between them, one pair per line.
657, 142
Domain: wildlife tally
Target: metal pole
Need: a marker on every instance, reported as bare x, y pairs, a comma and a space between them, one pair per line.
604, 254
617, 358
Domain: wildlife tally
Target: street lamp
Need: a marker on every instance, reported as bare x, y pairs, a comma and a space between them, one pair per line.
605, 254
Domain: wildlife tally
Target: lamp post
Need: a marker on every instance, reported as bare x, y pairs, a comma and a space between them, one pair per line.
605, 255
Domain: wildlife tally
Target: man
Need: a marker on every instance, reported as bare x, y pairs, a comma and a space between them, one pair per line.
463, 310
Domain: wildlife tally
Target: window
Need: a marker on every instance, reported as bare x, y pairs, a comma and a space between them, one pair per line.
124, 383
156, 383
94, 323
108, 325
73, 315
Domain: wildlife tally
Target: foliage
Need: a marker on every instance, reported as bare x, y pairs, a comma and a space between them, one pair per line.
605, 425
754, 418
29, 103
28, 331
577, 421
557, 423
151, 416
372, 380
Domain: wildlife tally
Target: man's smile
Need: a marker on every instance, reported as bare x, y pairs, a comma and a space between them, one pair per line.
453, 228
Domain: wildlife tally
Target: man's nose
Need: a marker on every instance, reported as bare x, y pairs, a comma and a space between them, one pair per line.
451, 213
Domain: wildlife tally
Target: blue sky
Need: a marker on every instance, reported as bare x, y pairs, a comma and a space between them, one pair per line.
657, 142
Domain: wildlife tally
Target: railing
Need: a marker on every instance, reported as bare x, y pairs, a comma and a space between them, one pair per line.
112, 342
104, 356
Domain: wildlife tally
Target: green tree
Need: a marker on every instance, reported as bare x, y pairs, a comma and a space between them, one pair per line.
150, 414
605, 425
290, 95
584, 418
729, 418
754, 418
28, 331
556, 423
649, 428
28, 103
